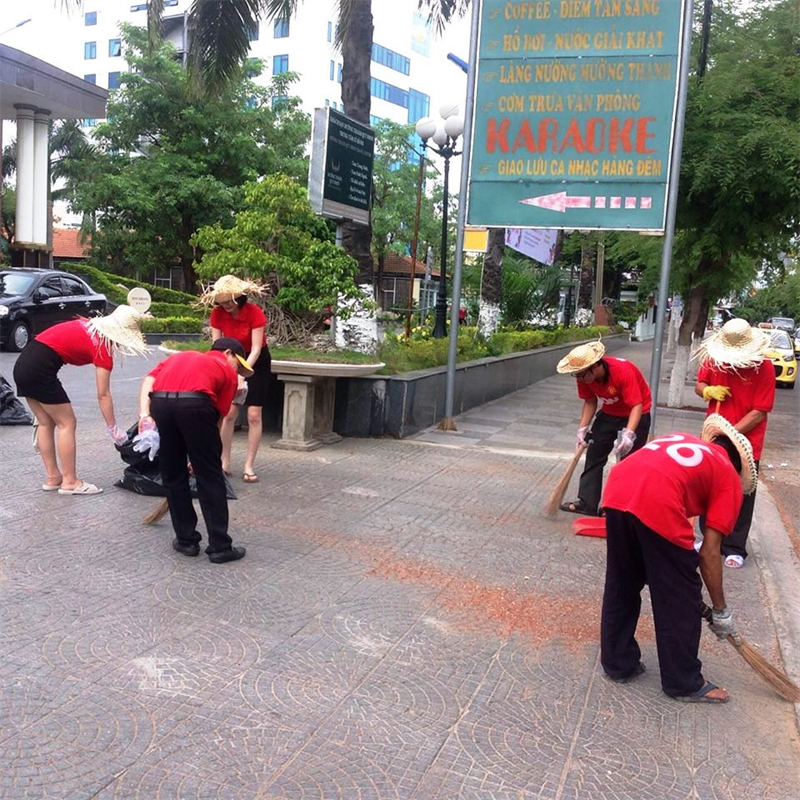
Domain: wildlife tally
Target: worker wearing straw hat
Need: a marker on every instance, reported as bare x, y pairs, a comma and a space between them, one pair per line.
620, 426
648, 500
98, 341
186, 397
235, 316
736, 377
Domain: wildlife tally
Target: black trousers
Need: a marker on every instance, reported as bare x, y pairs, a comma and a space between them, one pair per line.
735, 544
603, 435
188, 430
637, 555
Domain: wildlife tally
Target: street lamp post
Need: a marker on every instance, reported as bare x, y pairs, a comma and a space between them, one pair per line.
444, 134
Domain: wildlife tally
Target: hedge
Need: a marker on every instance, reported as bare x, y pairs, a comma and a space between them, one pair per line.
504, 342
173, 325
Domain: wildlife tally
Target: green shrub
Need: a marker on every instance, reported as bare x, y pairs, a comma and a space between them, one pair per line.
109, 284
173, 325
177, 310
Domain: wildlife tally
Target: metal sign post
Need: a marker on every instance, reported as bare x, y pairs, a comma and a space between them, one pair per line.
672, 206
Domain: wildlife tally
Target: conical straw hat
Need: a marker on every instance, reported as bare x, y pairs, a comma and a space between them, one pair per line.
120, 331
581, 357
736, 345
716, 425
228, 288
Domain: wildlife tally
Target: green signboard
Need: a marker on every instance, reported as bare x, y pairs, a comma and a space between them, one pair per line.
340, 168
574, 113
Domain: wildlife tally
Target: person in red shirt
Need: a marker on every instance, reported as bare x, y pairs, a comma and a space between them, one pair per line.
78, 342
236, 317
648, 500
620, 426
736, 378
186, 397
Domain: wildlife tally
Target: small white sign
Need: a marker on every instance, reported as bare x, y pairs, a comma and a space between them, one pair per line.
139, 299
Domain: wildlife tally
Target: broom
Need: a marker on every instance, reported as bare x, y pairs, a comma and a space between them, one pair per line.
768, 672
557, 495
156, 514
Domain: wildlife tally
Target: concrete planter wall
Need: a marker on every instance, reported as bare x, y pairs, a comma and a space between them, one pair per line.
401, 405
158, 338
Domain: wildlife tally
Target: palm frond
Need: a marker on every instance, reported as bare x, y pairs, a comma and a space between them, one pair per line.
219, 32
155, 11
279, 9
441, 12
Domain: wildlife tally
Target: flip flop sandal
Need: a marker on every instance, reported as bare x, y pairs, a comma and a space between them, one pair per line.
574, 507
46, 487
84, 488
701, 695
250, 477
640, 669
734, 562
590, 526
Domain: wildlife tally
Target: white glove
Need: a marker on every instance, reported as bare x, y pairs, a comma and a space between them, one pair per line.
722, 624
147, 440
116, 433
580, 438
624, 443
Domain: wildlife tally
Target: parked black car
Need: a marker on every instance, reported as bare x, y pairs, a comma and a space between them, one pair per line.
34, 299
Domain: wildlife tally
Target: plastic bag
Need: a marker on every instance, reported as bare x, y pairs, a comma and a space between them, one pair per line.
12, 412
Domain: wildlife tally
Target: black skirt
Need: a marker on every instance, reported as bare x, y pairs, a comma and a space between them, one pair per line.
258, 382
36, 375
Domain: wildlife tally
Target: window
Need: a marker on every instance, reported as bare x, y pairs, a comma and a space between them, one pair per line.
252, 33
91, 78
88, 123
419, 105
280, 64
385, 91
52, 288
330, 31
114, 48
90, 51
168, 3
339, 73
387, 57
333, 66
72, 286
279, 100
327, 102
281, 28
139, 7
90, 18
373, 120
113, 80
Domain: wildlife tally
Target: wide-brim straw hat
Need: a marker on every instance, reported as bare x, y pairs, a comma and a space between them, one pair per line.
228, 288
120, 331
716, 425
581, 357
736, 345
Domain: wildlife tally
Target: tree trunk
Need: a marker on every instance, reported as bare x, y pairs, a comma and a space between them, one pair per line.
356, 31
588, 259
693, 310
492, 282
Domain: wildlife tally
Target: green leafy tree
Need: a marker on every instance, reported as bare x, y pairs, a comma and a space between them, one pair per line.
169, 162
277, 238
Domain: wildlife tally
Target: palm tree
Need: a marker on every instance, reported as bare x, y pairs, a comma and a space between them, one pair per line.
219, 34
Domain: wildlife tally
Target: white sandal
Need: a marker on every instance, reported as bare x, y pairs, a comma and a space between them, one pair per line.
84, 488
734, 562
46, 487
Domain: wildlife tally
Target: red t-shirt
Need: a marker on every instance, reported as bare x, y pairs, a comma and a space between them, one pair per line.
624, 388
239, 327
76, 345
672, 478
198, 372
751, 390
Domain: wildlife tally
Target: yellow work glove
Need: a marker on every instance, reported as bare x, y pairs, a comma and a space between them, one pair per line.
718, 393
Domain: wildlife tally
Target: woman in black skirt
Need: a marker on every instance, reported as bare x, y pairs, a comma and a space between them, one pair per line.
236, 317
78, 342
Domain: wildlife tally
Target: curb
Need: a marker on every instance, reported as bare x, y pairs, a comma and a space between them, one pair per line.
779, 568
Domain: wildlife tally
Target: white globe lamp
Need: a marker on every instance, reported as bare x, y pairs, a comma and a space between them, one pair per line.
454, 127
440, 136
425, 128
447, 110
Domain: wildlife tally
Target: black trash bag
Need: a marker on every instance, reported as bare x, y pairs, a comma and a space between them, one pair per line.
12, 412
142, 476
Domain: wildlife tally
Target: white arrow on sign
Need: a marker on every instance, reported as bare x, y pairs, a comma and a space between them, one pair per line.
561, 201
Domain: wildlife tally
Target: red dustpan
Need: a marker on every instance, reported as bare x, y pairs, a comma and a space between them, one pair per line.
590, 526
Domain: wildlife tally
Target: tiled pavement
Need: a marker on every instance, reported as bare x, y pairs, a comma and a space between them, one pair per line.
406, 625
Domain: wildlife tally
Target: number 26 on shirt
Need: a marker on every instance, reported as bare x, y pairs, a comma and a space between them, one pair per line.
687, 454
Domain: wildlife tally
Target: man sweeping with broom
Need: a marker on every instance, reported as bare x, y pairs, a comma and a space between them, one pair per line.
619, 427
648, 500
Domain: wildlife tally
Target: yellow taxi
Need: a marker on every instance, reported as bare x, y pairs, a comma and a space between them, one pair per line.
782, 355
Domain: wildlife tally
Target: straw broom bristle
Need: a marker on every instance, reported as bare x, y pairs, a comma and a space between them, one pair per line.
156, 514
557, 495
768, 672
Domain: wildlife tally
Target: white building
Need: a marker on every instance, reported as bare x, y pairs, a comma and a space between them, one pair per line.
405, 56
